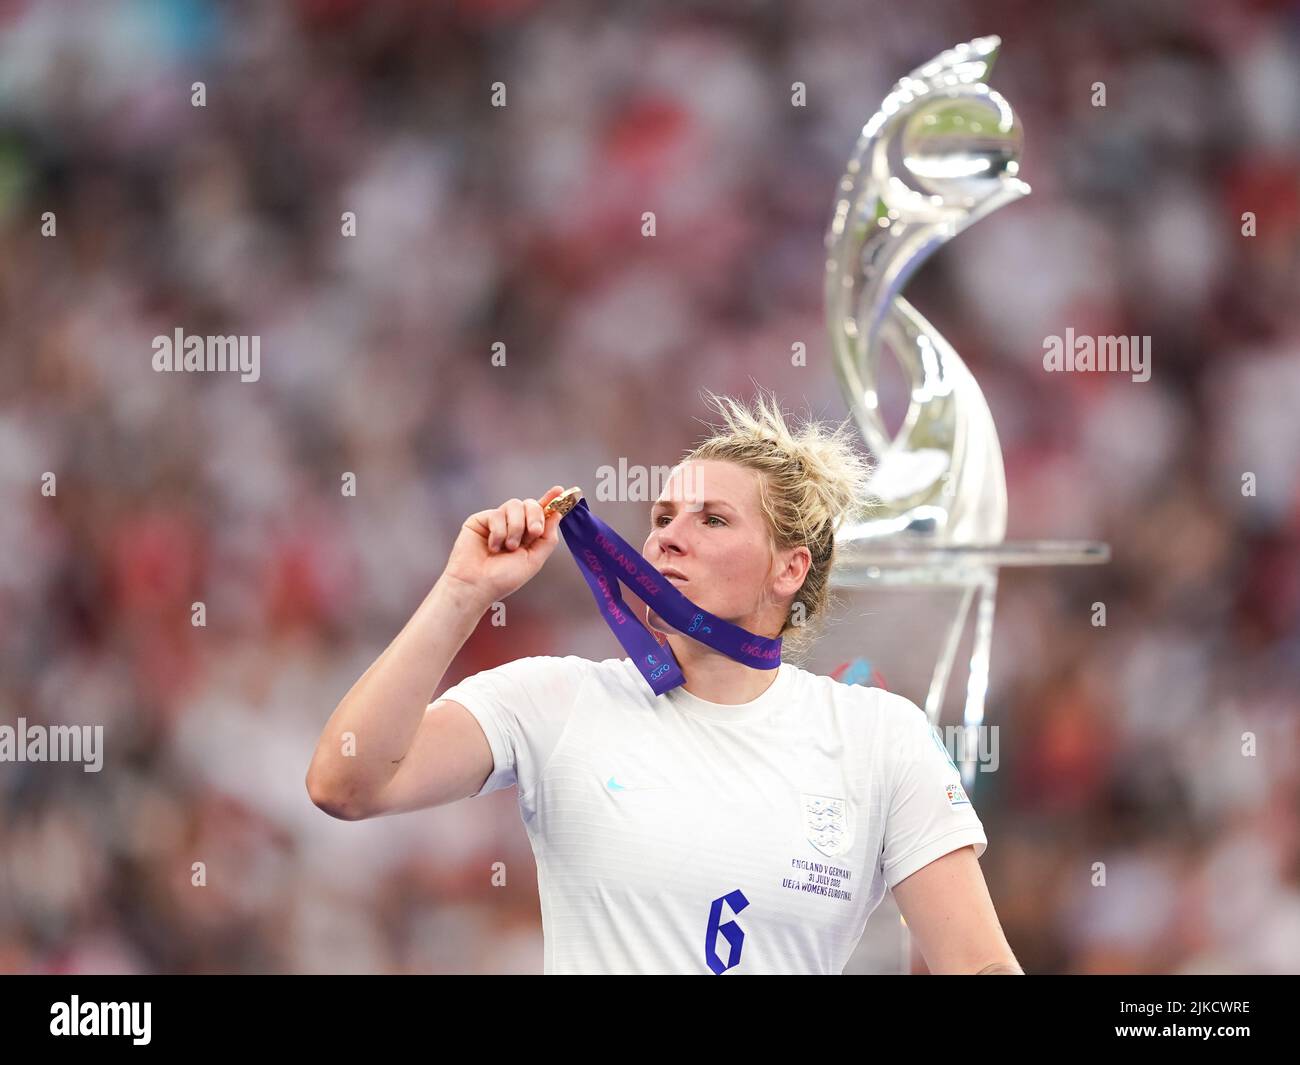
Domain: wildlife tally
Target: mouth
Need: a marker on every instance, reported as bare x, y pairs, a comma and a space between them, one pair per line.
672, 574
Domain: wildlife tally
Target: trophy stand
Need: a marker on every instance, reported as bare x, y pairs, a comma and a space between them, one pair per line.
973, 569
941, 153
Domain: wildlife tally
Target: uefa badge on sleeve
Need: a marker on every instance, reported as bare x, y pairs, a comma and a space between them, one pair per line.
956, 795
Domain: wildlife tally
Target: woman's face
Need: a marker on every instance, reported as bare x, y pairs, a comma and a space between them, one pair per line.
708, 525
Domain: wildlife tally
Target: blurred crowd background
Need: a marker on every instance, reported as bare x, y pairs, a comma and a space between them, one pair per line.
522, 225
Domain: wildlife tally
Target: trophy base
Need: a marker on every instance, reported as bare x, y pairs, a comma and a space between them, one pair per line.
893, 562
971, 569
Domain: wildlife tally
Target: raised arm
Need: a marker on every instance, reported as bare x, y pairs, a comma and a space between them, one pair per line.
383, 749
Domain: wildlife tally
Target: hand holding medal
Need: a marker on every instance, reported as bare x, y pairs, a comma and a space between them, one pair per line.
498, 551
606, 559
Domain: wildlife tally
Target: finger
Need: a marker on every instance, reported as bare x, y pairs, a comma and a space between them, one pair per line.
552, 533
549, 517
536, 520
515, 523
496, 528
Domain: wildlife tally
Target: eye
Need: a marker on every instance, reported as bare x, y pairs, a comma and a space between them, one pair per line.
712, 517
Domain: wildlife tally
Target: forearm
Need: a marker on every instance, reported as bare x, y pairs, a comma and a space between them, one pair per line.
373, 726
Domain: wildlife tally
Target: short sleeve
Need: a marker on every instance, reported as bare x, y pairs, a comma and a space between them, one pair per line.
929, 813
522, 707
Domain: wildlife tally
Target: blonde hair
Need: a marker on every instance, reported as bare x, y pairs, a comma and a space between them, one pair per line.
809, 481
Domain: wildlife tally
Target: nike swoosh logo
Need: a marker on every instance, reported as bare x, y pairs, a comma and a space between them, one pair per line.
613, 785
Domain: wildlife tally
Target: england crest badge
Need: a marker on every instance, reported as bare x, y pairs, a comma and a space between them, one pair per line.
827, 824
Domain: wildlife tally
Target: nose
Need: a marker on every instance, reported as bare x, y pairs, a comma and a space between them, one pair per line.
670, 537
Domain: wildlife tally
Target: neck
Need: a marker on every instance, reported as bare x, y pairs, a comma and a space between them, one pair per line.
712, 676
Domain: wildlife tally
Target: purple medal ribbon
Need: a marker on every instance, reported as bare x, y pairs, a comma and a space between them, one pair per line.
605, 559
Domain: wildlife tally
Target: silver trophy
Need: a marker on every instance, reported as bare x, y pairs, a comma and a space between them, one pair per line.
942, 152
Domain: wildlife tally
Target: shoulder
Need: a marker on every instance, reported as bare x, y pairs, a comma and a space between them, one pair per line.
612, 675
895, 709
903, 724
542, 675
886, 721
856, 700
538, 666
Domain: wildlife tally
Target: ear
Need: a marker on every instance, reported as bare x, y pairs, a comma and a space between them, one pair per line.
795, 563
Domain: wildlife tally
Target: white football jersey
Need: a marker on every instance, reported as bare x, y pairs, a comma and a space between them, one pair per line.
676, 835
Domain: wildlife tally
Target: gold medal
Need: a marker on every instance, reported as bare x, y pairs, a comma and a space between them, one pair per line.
564, 502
